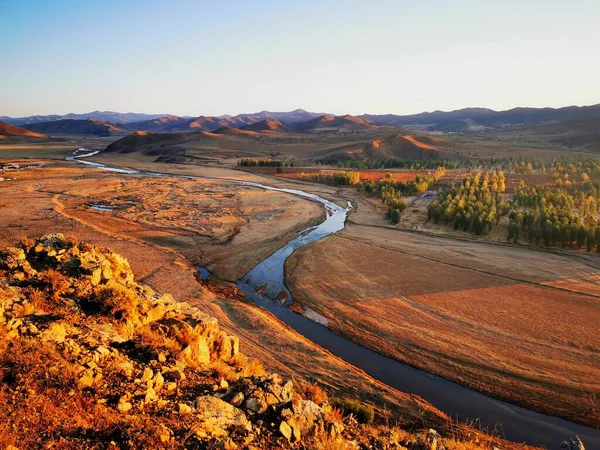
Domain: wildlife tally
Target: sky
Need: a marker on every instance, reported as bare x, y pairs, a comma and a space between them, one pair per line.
227, 57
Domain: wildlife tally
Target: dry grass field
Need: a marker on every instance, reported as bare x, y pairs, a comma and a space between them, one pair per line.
511, 322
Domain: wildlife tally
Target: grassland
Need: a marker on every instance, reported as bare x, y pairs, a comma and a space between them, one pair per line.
515, 323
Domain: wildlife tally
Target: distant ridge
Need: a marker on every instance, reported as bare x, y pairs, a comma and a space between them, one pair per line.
109, 116
79, 126
481, 119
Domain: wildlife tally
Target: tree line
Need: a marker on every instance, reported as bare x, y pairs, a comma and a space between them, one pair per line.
553, 216
475, 206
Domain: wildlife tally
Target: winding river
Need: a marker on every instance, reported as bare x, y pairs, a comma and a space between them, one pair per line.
265, 286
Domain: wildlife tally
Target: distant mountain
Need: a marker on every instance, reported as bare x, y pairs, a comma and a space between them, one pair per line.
79, 126
175, 124
268, 126
7, 130
329, 122
289, 117
482, 119
108, 116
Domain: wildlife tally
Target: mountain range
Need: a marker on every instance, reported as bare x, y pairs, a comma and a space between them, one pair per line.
572, 126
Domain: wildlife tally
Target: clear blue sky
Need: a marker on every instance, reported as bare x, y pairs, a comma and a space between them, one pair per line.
347, 56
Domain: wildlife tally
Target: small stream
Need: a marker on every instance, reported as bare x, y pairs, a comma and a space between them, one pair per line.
265, 286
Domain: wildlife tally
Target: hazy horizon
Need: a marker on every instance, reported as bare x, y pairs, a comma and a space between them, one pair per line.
290, 110
210, 58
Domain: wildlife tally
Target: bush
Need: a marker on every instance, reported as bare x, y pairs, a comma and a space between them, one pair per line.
363, 413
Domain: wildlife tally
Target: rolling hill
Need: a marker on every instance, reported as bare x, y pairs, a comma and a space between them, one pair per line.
78, 126
7, 130
148, 143
274, 126
329, 122
405, 146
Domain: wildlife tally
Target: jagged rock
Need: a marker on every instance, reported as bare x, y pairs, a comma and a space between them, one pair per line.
55, 333
147, 375
150, 395
87, 380
237, 399
256, 405
219, 418
572, 444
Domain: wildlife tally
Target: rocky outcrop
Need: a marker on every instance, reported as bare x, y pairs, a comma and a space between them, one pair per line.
89, 358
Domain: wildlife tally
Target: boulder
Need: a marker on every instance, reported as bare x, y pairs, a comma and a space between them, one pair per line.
218, 418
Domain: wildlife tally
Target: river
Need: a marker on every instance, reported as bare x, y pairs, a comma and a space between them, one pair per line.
265, 286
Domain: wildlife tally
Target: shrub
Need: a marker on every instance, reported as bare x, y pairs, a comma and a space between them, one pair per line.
313, 392
363, 413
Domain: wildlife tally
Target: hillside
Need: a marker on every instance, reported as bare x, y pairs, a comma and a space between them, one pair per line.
230, 131
269, 126
78, 126
334, 123
141, 141
89, 357
580, 133
7, 130
405, 146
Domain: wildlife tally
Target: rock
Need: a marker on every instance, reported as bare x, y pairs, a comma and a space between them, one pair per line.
96, 276
218, 418
147, 375
158, 381
87, 380
432, 439
125, 368
223, 384
156, 313
164, 433
124, 407
237, 399
256, 405
150, 395
183, 408
285, 430
572, 444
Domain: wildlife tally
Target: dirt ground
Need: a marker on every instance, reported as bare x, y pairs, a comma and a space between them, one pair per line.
515, 323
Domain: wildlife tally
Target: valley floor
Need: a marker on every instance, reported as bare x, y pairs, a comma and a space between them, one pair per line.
514, 323
161, 235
